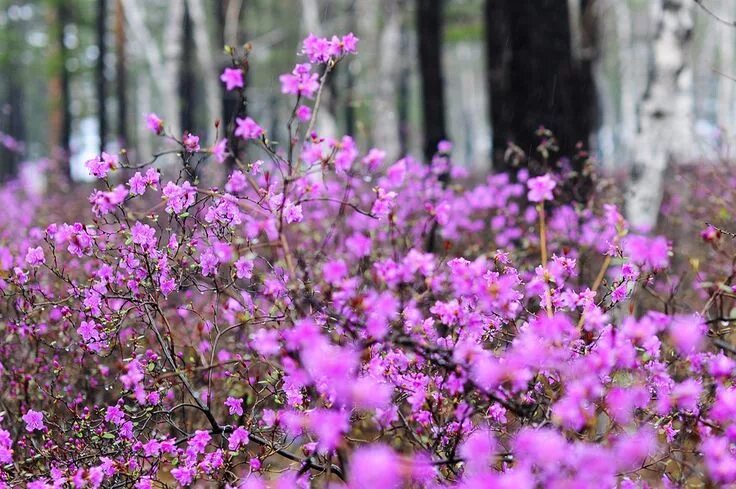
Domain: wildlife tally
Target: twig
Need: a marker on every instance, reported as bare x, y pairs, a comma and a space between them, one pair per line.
707, 10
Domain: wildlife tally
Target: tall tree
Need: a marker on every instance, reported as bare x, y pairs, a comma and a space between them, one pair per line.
666, 110
429, 40
121, 74
207, 65
534, 78
100, 71
60, 115
186, 83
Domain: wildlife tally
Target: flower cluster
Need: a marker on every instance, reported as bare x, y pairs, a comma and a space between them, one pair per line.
332, 317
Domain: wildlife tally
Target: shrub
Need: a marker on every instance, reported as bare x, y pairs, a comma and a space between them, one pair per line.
330, 318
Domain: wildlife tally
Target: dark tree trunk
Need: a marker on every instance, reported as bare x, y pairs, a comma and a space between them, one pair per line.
232, 106
403, 89
16, 124
187, 84
64, 16
533, 78
429, 39
121, 75
100, 71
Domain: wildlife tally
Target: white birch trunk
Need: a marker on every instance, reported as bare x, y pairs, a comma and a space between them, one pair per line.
727, 66
385, 105
627, 52
206, 58
666, 122
172, 46
162, 67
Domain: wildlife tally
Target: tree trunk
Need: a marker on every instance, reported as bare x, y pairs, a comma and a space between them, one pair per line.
100, 71
230, 17
666, 116
386, 128
61, 115
429, 39
726, 64
187, 87
533, 77
208, 67
627, 50
121, 83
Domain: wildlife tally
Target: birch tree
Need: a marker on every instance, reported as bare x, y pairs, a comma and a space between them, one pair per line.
207, 64
666, 118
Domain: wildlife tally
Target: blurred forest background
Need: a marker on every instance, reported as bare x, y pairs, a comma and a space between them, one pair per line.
78, 76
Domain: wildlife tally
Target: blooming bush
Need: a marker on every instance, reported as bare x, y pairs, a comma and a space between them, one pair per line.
329, 318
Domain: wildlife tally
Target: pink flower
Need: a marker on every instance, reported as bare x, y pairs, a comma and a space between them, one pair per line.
190, 142
652, 253
293, 212
100, 166
183, 475
244, 267
114, 415
374, 159
374, 466
232, 78
238, 438
687, 333
198, 442
106, 202
300, 82
248, 128
143, 235
444, 147
137, 184
235, 406
179, 197
303, 113
349, 43
219, 150
155, 124
316, 48
34, 421
384, 203
35, 256
540, 188
334, 271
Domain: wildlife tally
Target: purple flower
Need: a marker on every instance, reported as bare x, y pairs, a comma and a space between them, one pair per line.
373, 467
293, 212
219, 150
179, 197
155, 124
100, 166
183, 475
34, 421
540, 188
232, 78
303, 113
248, 128
35, 256
234, 405
687, 333
316, 48
190, 142
238, 438
244, 267
143, 235
114, 415
301, 81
